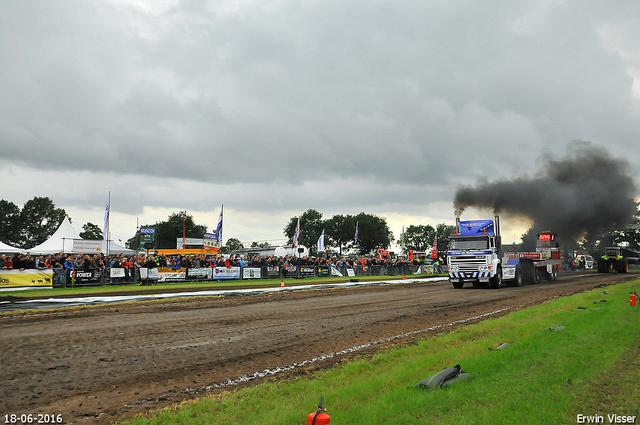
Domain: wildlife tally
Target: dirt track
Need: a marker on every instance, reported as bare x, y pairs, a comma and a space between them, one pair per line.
104, 363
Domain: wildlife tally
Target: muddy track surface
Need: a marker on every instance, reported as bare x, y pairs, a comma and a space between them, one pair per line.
99, 364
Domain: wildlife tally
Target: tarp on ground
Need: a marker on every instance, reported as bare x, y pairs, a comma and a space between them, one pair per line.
67, 240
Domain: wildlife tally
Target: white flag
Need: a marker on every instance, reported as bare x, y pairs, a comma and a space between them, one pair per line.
105, 230
321, 242
296, 236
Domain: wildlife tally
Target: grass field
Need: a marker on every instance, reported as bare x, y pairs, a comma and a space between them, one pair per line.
590, 368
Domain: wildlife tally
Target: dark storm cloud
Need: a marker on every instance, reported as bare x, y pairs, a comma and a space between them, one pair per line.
586, 190
381, 91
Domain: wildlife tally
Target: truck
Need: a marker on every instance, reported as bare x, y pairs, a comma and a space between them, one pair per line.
617, 258
475, 255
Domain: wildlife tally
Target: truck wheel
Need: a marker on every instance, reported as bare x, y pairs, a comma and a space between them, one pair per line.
496, 281
519, 281
458, 285
537, 275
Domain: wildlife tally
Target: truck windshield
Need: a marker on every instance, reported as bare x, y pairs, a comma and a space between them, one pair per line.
463, 244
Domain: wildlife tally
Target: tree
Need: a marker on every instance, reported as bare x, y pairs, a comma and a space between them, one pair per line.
311, 225
444, 231
419, 238
167, 232
91, 231
39, 219
231, 245
10, 226
373, 233
340, 231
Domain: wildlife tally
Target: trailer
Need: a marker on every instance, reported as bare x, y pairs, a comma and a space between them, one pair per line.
617, 259
475, 256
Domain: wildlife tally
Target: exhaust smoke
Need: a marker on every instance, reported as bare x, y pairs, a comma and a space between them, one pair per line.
586, 191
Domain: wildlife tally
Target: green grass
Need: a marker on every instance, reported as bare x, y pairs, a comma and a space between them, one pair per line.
544, 377
254, 283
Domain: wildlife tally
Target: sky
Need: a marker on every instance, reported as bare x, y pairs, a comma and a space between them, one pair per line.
271, 108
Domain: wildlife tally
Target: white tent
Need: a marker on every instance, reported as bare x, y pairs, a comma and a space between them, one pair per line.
8, 249
67, 240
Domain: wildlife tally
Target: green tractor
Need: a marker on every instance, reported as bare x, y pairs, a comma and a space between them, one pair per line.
617, 259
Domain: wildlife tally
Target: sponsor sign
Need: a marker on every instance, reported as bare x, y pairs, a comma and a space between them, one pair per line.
251, 273
323, 271
116, 272
273, 271
306, 271
167, 274
226, 273
87, 275
209, 241
86, 246
152, 274
31, 277
199, 273
350, 272
147, 235
531, 255
336, 272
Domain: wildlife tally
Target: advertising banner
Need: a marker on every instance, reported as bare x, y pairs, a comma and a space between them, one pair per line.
87, 275
209, 241
306, 271
226, 273
147, 235
31, 277
199, 273
86, 246
146, 274
273, 271
251, 273
323, 271
167, 274
116, 272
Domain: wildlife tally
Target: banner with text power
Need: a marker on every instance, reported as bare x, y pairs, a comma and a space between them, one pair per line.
31, 277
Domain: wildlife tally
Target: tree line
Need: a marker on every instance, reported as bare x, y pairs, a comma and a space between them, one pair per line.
373, 233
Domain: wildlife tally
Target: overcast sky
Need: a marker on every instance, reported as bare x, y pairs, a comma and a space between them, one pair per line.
275, 107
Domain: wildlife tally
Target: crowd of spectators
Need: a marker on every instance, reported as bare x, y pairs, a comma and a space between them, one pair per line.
100, 261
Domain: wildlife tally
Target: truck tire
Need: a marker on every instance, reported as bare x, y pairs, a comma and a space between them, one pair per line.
519, 280
496, 281
538, 275
458, 285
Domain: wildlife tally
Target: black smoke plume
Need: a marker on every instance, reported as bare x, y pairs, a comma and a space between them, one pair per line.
586, 191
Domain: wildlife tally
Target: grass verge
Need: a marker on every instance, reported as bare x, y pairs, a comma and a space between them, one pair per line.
544, 377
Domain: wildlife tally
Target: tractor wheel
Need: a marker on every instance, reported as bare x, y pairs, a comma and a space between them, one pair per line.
602, 266
622, 266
